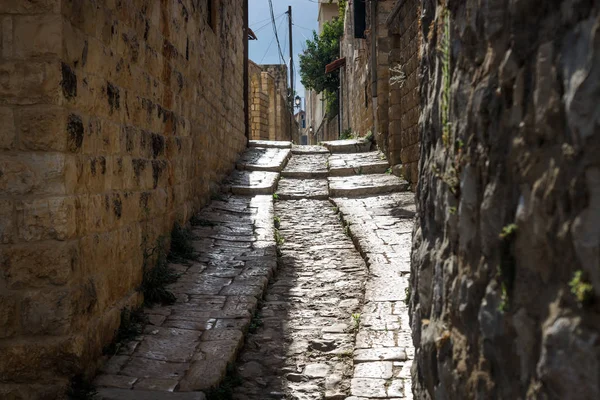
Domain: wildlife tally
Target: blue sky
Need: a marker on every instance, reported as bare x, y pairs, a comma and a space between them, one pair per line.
304, 17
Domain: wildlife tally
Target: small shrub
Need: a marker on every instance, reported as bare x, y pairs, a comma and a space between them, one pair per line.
346, 134
508, 231
157, 274
275, 196
356, 320
276, 222
581, 289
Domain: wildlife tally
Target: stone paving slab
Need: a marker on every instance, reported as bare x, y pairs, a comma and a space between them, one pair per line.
381, 227
373, 162
278, 144
263, 159
294, 189
348, 146
307, 166
251, 182
309, 149
186, 346
362, 185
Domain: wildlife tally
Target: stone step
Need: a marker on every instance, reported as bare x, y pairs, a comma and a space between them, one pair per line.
263, 159
125, 394
278, 144
251, 183
294, 189
373, 162
307, 166
309, 149
362, 185
348, 146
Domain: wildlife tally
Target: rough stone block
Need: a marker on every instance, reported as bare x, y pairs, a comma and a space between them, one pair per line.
37, 35
52, 218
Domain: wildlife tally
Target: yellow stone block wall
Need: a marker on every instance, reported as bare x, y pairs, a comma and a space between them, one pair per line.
404, 103
116, 119
269, 114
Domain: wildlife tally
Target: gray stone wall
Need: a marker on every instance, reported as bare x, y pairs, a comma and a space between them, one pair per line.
506, 261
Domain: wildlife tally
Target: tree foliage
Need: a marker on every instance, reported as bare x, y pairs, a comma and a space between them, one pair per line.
323, 49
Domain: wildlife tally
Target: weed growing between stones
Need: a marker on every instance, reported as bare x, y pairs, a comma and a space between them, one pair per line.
279, 240
256, 321
346, 134
581, 289
452, 210
225, 390
356, 320
506, 268
388, 171
80, 389
444, 49
276, 222
275, 196
132, 324
407, 294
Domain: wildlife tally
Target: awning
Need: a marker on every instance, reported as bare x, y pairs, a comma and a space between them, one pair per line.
251, 34
335, 65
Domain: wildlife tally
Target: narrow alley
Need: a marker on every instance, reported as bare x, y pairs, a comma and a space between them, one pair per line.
320, 283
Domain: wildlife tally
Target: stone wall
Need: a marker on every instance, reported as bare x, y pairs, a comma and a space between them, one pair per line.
269, 112
506, 262
357, 103
403, 127
117, 118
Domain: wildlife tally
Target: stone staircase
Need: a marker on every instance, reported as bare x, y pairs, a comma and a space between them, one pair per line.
187, 347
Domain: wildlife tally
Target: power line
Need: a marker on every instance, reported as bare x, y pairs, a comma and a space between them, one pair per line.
275, 31
271, 42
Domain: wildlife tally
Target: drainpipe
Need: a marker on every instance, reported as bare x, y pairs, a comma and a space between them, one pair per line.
374, 64
246, 72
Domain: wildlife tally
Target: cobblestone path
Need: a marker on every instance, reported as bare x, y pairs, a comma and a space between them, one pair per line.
327, 294
331, 327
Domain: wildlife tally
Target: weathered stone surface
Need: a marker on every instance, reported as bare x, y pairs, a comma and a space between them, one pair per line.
251, 182
117, 119
270, 144
506, 202
362, 185
263, 159
306, 166
295, 189
357, 163
348, 146
307, 149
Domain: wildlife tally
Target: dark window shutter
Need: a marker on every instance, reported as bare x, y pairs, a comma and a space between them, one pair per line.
360, 18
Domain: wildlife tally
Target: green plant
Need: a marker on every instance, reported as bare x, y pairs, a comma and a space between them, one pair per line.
255, 323
356, 320
508, 231
279, 240
132, 325
336, 209
369, 137
581, 289
388, 171
452, 210
444, 49
504, 299
346, 134
181, 243
225, 390
275, 196
80, 389
347, 230
276, 222
407, 294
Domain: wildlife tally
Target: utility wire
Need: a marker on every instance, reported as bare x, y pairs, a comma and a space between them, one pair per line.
275, 31
271, 42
